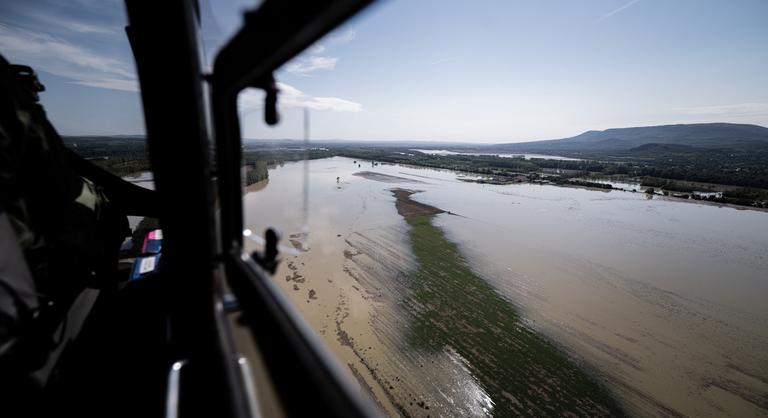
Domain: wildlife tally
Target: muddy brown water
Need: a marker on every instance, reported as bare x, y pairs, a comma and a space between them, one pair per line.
662, 300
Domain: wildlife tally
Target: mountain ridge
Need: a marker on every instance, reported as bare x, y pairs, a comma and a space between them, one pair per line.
704, 135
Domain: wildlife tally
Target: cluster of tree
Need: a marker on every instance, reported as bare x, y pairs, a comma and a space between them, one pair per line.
480, 164
274, 156
120, 156
744, 197
590, 166
255, 171
669, 185
668, 174
257, 160
124, 165
579, 182
746, 167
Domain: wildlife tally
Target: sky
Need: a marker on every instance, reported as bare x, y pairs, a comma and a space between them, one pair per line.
480, 71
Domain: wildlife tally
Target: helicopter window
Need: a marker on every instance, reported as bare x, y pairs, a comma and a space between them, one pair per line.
454, 267
433, 265
81, 56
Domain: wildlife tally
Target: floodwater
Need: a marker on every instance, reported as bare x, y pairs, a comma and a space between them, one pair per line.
662, 300
629, 186
527, 156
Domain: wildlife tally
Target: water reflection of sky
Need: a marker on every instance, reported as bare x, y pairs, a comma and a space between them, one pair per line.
472, 396
588, 223
699, 266
527, 156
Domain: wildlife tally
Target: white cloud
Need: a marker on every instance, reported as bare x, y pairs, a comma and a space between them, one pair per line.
112, 84
730, 110
617, 10
59, 57
89, 29
332, 103
70, 24
304, 66
291, 97
347, 36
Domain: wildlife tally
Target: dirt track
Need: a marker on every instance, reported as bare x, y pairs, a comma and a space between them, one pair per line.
408, 208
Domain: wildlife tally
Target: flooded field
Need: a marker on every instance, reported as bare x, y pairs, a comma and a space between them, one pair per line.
511, 299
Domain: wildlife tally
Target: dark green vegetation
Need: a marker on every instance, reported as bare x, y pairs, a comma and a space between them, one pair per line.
721, 153
256, 171
121, 156
497, 169
277, 155
259, 157
127, 155
670, 137
522, 372
583, 183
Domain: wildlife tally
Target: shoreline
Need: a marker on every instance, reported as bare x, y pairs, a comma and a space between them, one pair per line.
656, 196
485, 177
454, 307
363, 269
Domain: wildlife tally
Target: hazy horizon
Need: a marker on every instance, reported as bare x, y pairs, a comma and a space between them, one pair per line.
420, 141
491, 72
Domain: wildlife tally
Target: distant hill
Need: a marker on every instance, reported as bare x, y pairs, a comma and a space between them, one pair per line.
676, 137
655, 148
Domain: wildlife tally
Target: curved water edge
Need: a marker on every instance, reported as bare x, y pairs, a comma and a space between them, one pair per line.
636, 288
520, 372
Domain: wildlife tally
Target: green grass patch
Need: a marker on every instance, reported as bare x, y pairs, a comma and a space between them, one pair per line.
522, 372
